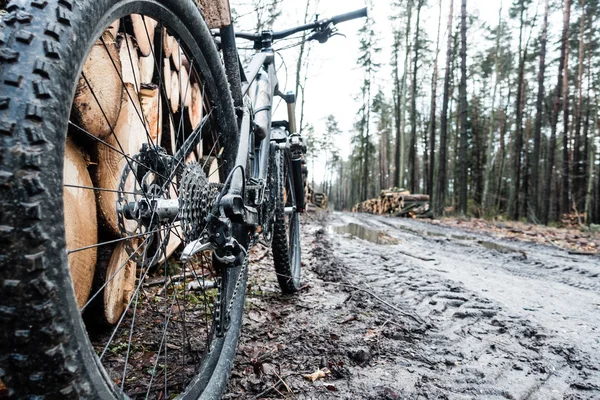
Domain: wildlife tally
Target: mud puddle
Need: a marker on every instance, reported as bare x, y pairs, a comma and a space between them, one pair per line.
469, 326
362, 232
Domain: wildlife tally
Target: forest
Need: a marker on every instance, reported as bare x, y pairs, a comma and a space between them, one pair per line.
488, 119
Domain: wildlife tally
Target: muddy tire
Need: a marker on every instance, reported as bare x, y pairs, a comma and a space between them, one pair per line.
286, 230
45, 351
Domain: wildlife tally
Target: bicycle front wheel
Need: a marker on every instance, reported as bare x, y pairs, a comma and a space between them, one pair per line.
97, 99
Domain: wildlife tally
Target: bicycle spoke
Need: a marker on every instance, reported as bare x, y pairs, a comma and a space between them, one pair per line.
141, 280
116, 240
112, 276
129, 341
158, 326
99, 189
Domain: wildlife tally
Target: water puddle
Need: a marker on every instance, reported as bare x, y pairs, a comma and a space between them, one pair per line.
462, 237
362, 232
497, 247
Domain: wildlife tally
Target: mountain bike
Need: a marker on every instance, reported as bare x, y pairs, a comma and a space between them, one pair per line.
130, 130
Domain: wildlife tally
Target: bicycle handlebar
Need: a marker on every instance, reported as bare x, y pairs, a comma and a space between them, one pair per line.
315, 25
349, 16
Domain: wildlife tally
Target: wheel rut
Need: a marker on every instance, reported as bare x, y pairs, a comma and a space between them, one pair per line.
475, 344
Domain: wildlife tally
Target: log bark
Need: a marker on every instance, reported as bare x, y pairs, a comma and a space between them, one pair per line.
143, 30
216, 13
96, 106
120, 275
81, 226
130, 134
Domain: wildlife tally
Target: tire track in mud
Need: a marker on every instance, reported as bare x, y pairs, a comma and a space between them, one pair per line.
472, 346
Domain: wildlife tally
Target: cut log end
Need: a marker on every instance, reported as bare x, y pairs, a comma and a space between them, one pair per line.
130, 134
129, 62
174, 92
143, 30
120, 278
81, 227
97, 101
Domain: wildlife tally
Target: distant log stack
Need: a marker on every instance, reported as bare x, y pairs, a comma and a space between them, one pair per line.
308, 193
397, 202
320, 200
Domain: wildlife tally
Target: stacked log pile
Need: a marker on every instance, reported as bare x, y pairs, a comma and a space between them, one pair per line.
308, 193
320, 200
396, 202
120, 100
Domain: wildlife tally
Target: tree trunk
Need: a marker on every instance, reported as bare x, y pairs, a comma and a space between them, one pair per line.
403, 94
578, 171
440, 197
555, 110
534, 213
434, 80
590, 174
565, 108
490, 142
396, 169
412, 149
463, 111
513, 203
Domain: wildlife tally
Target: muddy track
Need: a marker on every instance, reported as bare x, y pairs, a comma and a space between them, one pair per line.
416, 310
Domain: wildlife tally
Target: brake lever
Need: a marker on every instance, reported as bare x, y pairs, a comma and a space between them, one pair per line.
338, 34
323, 34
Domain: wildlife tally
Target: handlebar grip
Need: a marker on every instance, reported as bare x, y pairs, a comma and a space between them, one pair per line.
348, 16
248, 36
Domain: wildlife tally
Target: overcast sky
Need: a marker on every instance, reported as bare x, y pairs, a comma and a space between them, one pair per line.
334, 80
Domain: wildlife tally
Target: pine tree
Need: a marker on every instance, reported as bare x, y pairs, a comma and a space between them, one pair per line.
463, 182
366, 60
440, 198
534, 213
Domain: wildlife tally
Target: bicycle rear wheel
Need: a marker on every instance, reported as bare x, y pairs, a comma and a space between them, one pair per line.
286, 228
80, 158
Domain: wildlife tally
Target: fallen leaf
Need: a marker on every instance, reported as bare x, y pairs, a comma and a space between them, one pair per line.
371, 334
348, 319
318, 374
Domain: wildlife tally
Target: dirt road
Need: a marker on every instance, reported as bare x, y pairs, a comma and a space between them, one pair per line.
398, 308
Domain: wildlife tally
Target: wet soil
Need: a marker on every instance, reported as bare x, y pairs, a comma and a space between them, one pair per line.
397, 308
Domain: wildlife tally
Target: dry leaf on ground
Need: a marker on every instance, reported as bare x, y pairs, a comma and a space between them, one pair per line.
318, 374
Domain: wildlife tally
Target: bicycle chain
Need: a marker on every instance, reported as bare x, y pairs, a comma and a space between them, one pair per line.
220, 322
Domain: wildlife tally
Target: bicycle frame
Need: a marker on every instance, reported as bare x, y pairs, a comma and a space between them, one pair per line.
261, 71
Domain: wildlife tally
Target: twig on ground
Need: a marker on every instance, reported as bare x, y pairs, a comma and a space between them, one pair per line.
267, 390
581, 253
287, 387
414, 256
399, 311
552, 243
164, 288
